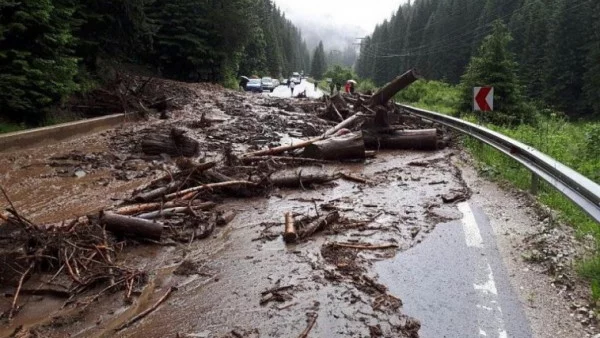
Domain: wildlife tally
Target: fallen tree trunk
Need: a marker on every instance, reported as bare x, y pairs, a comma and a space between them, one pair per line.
211, 186
341, 125
127, 225
173, 144
157, 193
424, 139
349, 146
299, 180
385, 93
147, 207
319, 224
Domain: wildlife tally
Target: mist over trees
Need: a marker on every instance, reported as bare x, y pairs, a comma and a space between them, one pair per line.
556, 44
50, 49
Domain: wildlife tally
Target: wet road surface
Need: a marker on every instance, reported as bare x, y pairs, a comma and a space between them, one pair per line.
455, 282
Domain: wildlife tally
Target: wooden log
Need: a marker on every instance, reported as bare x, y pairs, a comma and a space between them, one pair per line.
283, 159
423, 139
282, 149
132, 226
157, 193
147, 207
173, 144
208, 187
345, 147
319, 224
385, 93
289, 233
347, 122
299, 180
177, 210
225, 218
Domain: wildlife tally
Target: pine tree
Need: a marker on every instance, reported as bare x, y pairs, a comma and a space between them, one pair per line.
592, 76
37, 68
494, 65
319, 65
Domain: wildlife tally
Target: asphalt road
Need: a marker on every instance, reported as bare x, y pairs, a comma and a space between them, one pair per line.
455, 282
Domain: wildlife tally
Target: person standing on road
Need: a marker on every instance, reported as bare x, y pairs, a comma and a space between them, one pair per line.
331, 87
352, 88
292, 85
316, 85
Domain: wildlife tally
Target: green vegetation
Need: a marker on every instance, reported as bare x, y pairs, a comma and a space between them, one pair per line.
494, 65
50, 49
556, 45
7, 127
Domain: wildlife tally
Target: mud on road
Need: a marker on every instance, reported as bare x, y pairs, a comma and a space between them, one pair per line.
243, 280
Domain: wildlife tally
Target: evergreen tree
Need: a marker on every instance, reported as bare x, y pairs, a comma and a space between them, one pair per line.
319, 65
494, 65
592, 76
37, 68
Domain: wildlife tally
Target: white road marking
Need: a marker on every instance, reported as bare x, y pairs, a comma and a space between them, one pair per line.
489, 286
472, 234
486, 286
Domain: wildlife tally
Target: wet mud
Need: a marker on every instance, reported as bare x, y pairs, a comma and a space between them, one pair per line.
242, 281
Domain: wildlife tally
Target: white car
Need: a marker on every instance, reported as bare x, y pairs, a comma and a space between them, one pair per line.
296, 77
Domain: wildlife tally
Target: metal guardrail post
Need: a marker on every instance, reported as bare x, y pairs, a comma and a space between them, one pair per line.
535, 184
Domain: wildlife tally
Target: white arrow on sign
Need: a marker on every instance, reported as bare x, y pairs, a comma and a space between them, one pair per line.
483, 98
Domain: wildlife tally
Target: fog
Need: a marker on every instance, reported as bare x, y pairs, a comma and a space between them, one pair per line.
337, 22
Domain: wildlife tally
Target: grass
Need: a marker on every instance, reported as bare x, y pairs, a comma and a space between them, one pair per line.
572, 143
7, 127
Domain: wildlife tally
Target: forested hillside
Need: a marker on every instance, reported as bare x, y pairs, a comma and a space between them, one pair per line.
556, 44
50, 49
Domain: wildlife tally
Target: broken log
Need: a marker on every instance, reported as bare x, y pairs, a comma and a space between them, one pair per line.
289, 233
385, 93
299, 180
128, 225
165, 213
173, 144
147, 207
347, 122
360, 246
345, 147
157, 193
225, 218
319, 224
423, 139
208, 187
283, 159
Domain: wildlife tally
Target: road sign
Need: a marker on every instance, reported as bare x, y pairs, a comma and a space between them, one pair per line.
483, 98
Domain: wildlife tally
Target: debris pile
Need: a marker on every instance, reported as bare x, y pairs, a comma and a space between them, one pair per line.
180, 206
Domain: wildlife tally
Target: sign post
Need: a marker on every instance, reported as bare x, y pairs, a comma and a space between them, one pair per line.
483, 98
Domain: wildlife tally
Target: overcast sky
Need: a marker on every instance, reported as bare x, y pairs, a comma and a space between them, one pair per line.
337, 22
365, 14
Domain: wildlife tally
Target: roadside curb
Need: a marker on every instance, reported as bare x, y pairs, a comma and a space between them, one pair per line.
33, 137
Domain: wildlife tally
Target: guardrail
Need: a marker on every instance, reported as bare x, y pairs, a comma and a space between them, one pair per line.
578, 188
33, 137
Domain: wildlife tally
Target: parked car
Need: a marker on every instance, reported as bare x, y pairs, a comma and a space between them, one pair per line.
267, 84
276, 83
254, 85
296, 77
